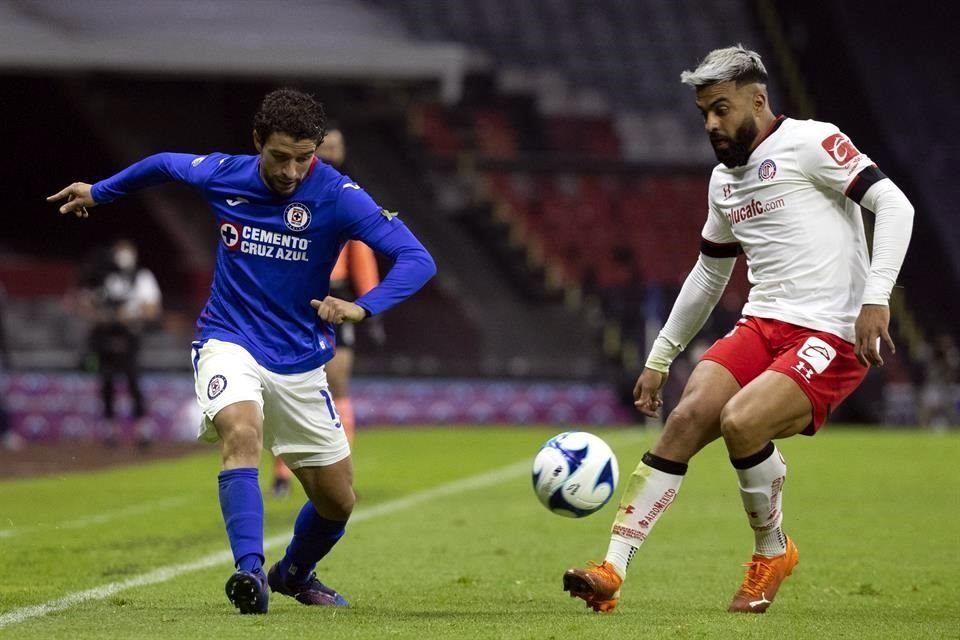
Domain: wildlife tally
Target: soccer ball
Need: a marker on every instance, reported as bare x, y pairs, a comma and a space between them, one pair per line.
574, 474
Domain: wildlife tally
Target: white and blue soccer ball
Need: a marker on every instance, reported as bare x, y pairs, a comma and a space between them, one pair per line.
575, 473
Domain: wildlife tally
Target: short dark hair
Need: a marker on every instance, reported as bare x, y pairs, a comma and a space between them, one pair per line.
292, 112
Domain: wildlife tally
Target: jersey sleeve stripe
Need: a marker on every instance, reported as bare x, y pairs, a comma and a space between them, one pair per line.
862, 183
718, 250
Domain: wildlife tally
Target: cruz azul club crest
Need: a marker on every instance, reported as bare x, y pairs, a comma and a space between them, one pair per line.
216, 386
296, 216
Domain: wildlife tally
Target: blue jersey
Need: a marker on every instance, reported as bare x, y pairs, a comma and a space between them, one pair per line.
276, 253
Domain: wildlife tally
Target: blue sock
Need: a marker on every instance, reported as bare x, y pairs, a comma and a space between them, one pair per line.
313, 537
242, 505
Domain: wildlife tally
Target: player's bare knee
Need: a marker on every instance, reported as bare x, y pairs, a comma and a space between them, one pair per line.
346, 503
736, 424
683, 434
681, 420
338, 507
243, 440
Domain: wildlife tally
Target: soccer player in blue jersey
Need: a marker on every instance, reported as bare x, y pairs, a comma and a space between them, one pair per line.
266, 330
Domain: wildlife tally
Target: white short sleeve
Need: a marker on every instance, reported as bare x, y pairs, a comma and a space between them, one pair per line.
145, 288
717, 230
830, 159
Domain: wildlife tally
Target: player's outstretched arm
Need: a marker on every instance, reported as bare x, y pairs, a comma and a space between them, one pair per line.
152, 170
77, 197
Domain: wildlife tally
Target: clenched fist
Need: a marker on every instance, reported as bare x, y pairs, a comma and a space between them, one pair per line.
338, 311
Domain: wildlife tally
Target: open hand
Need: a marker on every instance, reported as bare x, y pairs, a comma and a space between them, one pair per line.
646, 393
870, 328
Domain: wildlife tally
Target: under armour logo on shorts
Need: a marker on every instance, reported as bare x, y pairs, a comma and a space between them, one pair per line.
817, 353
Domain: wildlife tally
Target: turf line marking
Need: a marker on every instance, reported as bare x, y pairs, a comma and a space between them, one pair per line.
164, 574
170, 572
98, 518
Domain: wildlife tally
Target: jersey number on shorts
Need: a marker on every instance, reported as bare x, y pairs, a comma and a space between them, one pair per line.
333, 412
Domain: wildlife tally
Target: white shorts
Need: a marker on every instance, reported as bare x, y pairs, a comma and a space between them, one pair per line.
300, 420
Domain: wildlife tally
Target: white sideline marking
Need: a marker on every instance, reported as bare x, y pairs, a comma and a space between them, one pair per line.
163, 574
98, 518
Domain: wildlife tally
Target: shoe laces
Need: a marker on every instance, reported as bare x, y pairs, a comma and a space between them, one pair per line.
604, 568
313, 584
759, 575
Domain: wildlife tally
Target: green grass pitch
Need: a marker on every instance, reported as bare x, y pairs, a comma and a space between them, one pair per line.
449, 542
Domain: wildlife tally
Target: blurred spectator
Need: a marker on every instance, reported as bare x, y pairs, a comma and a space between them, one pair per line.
938, 387
621, 287
120, 298
8, 438
5, 362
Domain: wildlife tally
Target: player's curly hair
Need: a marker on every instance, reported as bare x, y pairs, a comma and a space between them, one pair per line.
292, 112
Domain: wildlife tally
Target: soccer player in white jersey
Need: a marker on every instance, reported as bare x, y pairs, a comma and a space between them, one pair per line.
787, 194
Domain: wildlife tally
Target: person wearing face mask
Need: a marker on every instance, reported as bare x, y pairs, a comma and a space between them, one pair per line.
121, 299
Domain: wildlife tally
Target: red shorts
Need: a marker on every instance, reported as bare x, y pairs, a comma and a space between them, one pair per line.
822, 364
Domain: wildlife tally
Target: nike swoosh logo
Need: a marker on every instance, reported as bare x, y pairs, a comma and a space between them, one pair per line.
350, 185
235, 201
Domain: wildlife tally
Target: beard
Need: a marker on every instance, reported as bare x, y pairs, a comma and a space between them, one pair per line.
737, 150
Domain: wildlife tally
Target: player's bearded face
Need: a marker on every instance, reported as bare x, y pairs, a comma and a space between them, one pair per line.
735, 151
284, 162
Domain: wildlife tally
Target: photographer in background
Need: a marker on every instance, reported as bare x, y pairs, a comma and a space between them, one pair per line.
120, 298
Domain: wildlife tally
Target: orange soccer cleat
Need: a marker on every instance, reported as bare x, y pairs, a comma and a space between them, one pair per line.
763, 579
598, 585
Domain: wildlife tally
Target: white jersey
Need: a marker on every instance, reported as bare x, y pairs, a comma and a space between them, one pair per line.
134, 293
793, 210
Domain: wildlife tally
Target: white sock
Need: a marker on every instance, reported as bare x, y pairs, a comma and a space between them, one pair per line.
761, 488
651, 489
620, 555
